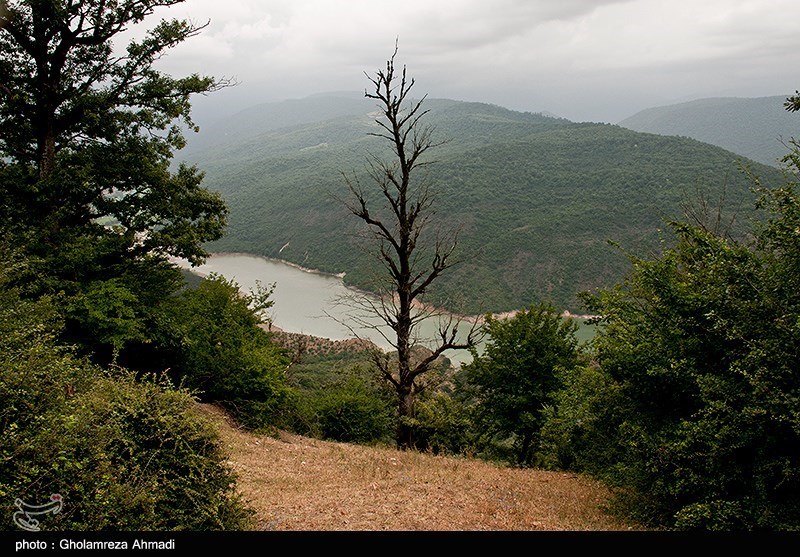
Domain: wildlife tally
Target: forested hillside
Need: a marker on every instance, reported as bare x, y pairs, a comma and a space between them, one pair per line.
685, 404
536, 199
753, 128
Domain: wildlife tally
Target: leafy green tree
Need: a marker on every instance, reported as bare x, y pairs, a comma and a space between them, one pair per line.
694, 407
108, 308
702, 348
87, 134
581, 424
218, 349
702, 343
517, 373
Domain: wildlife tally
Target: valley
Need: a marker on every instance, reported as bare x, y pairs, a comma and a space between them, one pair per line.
544, 207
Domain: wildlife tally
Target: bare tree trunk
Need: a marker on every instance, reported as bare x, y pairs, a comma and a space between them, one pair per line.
405, 431
398, 227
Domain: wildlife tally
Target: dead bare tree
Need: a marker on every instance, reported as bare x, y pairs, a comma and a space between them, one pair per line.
412, 254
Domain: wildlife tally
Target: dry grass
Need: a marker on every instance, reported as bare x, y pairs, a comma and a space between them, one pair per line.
297, 483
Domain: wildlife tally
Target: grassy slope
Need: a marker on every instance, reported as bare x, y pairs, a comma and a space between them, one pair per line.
536, 199
297, 483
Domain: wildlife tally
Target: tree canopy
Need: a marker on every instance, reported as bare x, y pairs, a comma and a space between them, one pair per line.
700, 349
87, 135
518, 371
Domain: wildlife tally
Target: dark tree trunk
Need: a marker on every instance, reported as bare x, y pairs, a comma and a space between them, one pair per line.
405, 432
398, 230
524, 456
405, 387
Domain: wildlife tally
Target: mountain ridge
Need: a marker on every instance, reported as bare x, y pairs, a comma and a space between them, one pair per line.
536, 199
751, 127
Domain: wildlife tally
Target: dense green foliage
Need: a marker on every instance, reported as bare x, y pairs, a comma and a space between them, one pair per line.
581, 424
520, 367
124, 454
753, 128
695, 407
445, 423
536, 199
212, 339
350, 412
340, 397
90, 210
86, 142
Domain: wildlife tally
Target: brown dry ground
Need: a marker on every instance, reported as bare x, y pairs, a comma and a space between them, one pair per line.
298, 483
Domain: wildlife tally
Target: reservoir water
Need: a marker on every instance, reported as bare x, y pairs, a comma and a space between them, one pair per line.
310, 303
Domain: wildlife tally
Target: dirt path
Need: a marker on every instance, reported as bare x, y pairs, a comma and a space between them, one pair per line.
297, 483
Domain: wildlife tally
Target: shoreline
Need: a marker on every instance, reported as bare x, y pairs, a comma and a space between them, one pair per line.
283, 261
432, 310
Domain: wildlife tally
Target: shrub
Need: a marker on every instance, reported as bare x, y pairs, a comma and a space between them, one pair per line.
444, 425
580, 430
352, 412
134, 455
124, 454
216, 348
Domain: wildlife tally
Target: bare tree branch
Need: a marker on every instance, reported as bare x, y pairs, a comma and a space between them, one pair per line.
411, 258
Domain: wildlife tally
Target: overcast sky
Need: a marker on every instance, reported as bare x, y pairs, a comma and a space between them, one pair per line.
598, 60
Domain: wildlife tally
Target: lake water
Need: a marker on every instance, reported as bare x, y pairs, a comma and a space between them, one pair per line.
310, 303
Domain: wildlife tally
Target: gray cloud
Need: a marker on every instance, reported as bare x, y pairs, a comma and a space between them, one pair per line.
583, 59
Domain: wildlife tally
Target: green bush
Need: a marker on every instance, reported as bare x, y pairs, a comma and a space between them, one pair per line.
444, 425
352, 412
134, 455
124, 454
35, 379
712, 515
215, 346
338, 395
580, 428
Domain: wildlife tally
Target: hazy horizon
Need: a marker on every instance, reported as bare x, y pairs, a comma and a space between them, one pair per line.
220, 111
585, 60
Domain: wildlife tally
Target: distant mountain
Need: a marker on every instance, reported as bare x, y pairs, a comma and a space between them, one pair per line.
261, 118
536, 199
753, 128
